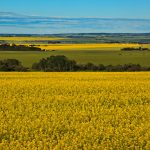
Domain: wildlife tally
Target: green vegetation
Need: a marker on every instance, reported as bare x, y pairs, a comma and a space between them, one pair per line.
135, 49
11, 65
13, 47
83, 57
106, 56
55, 63
61, 63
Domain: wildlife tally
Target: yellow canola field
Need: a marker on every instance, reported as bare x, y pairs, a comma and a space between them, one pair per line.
108, 46
74, 111
30, 38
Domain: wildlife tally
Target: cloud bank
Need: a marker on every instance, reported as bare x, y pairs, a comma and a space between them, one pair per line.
16, 23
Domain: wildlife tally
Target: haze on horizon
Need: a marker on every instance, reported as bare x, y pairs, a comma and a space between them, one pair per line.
68, 16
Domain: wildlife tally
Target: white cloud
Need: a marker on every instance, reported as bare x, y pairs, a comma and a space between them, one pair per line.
12, 22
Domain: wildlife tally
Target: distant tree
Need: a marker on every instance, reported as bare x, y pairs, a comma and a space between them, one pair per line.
11, 65
101, 67
135, 49
55, 63
132, 67
91, 67
109, 68
62, 63
14, 47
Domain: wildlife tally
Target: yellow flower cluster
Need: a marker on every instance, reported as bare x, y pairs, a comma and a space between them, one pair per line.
30, 38
99, 46
74, 111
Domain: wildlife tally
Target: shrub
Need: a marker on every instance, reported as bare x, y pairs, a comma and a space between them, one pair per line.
11, 65
134, 49
13, 47
55, 63
61, 63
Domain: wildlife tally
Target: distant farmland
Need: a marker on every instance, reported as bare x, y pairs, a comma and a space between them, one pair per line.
82, 48
101, 46
83, 56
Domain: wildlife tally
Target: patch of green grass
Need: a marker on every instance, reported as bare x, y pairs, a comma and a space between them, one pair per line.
83, 56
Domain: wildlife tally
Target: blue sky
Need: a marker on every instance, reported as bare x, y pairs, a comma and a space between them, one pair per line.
74, 16
79, 8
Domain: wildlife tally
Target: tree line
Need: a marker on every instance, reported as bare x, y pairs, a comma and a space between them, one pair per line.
12, 65
61, 63
14, 47
135, 49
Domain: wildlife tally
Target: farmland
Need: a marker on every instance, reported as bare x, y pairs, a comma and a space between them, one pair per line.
101, 46
83, 48
75, 111
78, 38
83, 56
15, 39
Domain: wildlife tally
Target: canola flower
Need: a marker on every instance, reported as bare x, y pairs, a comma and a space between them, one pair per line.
74, 111
97, 46
30, 38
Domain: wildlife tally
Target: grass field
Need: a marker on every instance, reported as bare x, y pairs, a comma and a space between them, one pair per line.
83, 56
74, 111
